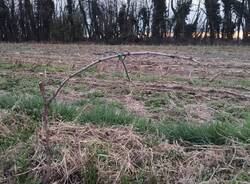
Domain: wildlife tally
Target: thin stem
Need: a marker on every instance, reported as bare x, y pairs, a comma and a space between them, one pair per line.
125, 68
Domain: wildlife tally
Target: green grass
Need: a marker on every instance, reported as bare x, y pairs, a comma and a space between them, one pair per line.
19, 162
243, 176
64, 111
96, 94
19, 66
156, 77
32, 106
21, 129
24, 84
213, 133
103, 113
228, 111
156, 100
147, 78
7, 101
159, 103
107, 113
150, 99
245, 83
177, 78
80, 87
5, 65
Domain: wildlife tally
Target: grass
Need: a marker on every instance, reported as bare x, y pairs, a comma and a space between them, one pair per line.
20, 66
32, 106
228, 111
107, 113
157, 77
96, 94
156, 100
80, 87
24, 84
244, 83
147, 78
20, 159
23, 106
230, 83
21, 129
7, 101
153, 101
214, 133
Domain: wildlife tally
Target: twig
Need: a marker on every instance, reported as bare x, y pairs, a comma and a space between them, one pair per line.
126, 70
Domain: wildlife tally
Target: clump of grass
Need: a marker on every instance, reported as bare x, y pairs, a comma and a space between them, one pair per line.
7, 101
107, 114
32, 106
177, 78
157, 77
229, 111
21, 85
96, 94
64, 111
8, 83
212, 133
147, 78
80, 87
156, 100
5, 65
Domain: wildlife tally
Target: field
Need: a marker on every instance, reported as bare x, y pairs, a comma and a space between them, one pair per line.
177, 121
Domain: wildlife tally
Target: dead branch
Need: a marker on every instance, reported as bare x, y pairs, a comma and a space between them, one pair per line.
48, 100
126, 70
117, 56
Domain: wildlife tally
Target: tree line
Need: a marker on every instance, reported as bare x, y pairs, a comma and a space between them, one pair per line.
124, 20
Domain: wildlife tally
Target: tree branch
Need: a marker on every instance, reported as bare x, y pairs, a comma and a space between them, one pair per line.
48, 100
125, 54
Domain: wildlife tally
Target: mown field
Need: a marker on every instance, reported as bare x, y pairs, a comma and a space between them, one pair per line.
178, 121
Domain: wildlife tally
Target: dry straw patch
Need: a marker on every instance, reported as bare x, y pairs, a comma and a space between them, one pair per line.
118, 155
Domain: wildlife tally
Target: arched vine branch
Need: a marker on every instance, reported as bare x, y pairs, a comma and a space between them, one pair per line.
48, 99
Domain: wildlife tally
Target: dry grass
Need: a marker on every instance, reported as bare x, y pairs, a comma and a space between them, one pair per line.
82, 154
186, 91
